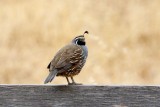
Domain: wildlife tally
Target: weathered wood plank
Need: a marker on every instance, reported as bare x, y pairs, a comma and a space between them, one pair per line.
80, 96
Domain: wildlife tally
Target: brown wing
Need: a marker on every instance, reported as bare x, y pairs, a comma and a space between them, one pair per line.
66, 56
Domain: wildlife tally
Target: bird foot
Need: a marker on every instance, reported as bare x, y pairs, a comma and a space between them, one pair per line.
73, 83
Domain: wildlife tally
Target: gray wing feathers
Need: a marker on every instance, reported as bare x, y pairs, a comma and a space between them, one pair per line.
51, 76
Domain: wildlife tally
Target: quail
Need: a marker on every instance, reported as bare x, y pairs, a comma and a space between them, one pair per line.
69, 60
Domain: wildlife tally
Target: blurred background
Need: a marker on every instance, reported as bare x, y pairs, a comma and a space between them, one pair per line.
123, 41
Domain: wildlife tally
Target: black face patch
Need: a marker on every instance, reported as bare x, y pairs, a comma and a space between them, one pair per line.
79, 42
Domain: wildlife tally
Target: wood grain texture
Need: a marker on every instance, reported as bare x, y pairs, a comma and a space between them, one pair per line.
79, 96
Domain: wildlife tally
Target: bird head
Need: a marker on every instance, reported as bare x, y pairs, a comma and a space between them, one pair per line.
80, 40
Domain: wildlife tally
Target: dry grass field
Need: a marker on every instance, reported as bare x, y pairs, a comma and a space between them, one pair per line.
124, 40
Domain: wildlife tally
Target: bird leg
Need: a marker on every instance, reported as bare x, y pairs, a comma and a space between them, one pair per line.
68, 81
73, 82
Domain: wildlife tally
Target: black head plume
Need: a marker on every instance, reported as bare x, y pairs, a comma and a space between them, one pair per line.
86, 32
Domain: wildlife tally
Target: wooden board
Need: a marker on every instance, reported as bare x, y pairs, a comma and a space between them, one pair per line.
79, 96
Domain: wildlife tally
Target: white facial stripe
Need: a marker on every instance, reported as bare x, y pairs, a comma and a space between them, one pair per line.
79, 37
76, 41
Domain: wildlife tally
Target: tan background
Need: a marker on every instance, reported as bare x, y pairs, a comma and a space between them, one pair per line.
124, 40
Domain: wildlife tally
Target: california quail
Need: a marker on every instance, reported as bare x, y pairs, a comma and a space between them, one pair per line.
69, 60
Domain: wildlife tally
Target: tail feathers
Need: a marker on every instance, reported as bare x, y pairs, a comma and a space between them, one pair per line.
51, 76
